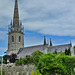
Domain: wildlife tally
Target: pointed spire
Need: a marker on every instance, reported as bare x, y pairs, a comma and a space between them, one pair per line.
11, 23
50, 42
44, 40
70, 42
16, 15
20, 23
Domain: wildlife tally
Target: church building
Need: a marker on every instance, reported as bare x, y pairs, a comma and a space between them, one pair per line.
16, 39
15, 33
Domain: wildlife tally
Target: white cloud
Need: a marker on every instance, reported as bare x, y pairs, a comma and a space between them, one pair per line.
53, 17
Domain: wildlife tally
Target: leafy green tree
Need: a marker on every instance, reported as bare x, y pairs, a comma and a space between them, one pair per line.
25, 60
67, 52
61, 64
68, 61
35, 56
55, 52
5, 59
12, 58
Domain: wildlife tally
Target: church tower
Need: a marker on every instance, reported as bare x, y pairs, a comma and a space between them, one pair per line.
15, 33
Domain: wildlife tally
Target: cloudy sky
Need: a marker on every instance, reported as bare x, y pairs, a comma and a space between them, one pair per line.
53, 18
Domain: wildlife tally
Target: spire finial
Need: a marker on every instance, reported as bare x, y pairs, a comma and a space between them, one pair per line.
16, 15
11, 23
70, 42
20, 23
44, 40
50, 42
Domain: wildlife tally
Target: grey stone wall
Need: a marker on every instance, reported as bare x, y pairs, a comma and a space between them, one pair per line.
13, 47
18, 70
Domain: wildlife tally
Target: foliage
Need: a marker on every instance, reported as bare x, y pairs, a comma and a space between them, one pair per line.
36, 55
34, 58
5, 59
67, 52
36, 73
3, 73
60, 63
50, 63
12, 58
55, 52
25, 60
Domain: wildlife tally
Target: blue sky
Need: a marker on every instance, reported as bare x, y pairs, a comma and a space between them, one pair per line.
53, 18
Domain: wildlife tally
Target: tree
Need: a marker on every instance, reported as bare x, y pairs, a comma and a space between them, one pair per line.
5, 59
35, 56
26, 60
50, 63
67, 52
55, 52
12, 58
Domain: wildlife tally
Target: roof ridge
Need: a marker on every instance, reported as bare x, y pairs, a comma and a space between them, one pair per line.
60, 45
34, 46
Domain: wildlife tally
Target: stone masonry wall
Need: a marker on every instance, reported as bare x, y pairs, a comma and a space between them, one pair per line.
18, 70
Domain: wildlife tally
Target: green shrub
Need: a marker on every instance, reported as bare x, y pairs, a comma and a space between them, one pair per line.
36, 73
3, 73
50, 63
35, 56
25, 60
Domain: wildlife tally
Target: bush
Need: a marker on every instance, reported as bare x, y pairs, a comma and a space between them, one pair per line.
35, 56
67, 52
50, 63
36, 73
5, 59
61, 64
25, 60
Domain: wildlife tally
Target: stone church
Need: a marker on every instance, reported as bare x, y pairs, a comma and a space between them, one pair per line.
16, 39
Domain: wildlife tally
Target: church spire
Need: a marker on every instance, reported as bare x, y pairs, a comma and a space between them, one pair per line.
11, 23
50, 42
44, 40
16, 15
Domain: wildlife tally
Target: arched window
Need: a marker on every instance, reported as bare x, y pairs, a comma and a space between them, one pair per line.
12, 39
19, 38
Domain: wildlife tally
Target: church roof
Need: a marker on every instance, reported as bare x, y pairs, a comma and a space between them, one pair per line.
61, 45
59, 48
29, 50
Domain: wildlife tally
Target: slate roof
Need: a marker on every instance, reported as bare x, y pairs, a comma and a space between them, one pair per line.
59, 48
26, 51
29, 50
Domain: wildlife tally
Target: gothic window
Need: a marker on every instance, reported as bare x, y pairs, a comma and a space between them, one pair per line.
19, 38
12, 39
